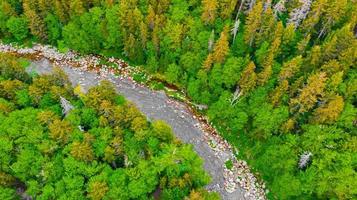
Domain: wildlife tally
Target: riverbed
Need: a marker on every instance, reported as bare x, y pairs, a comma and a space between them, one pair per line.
235, 184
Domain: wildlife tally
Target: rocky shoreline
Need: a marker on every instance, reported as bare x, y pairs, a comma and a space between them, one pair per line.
238, 176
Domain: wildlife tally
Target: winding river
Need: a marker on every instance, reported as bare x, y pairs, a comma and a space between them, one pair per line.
157, 105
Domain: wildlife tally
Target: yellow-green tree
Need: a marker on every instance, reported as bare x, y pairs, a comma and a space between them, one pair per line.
97, 190
267, 71
301, 46
266, 28
278, 92
36, 23
248, 78
314, 57
288, 126
253, 23
207, 64
226, 8
310, 94
76, 8
82, 151
290, 68
60, 11
330, 111
60, 131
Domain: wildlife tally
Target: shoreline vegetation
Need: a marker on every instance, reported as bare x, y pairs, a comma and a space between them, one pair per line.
276, 78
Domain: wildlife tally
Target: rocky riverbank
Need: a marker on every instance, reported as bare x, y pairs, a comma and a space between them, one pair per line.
237, 182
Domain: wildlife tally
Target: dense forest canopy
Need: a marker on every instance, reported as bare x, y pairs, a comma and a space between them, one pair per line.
59, 144
278, 76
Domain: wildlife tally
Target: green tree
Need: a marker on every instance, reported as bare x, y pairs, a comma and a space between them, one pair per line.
173, 73
54, 28
162, 131
18, 28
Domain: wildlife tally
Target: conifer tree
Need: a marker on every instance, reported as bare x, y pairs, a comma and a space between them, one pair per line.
221, 48
310, 94
60, 131
290, 68
288, 45
288, 126
44, 7
129, 46
279, 92
253, 23
207, 64
162, 6
266, 28
82, 151
264, 76
248, 78
301, 46
330, 111
314, 58
150, 18
335, 10
76, 8
209, 11
156, 35
36, 23
226, 8
60, 11
143, 34
97, 190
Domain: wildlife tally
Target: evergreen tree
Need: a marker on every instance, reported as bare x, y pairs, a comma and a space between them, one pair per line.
329, 112
36, 23
221, 48
226, 8
248, 78
310, 94
290, 68
209, 11
253, 23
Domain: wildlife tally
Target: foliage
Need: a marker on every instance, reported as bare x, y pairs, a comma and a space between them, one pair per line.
17, 27
291, 68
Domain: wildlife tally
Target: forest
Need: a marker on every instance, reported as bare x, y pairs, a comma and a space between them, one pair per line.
278, 76
58, 143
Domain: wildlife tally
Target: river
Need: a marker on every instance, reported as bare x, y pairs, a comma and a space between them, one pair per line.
156, 105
